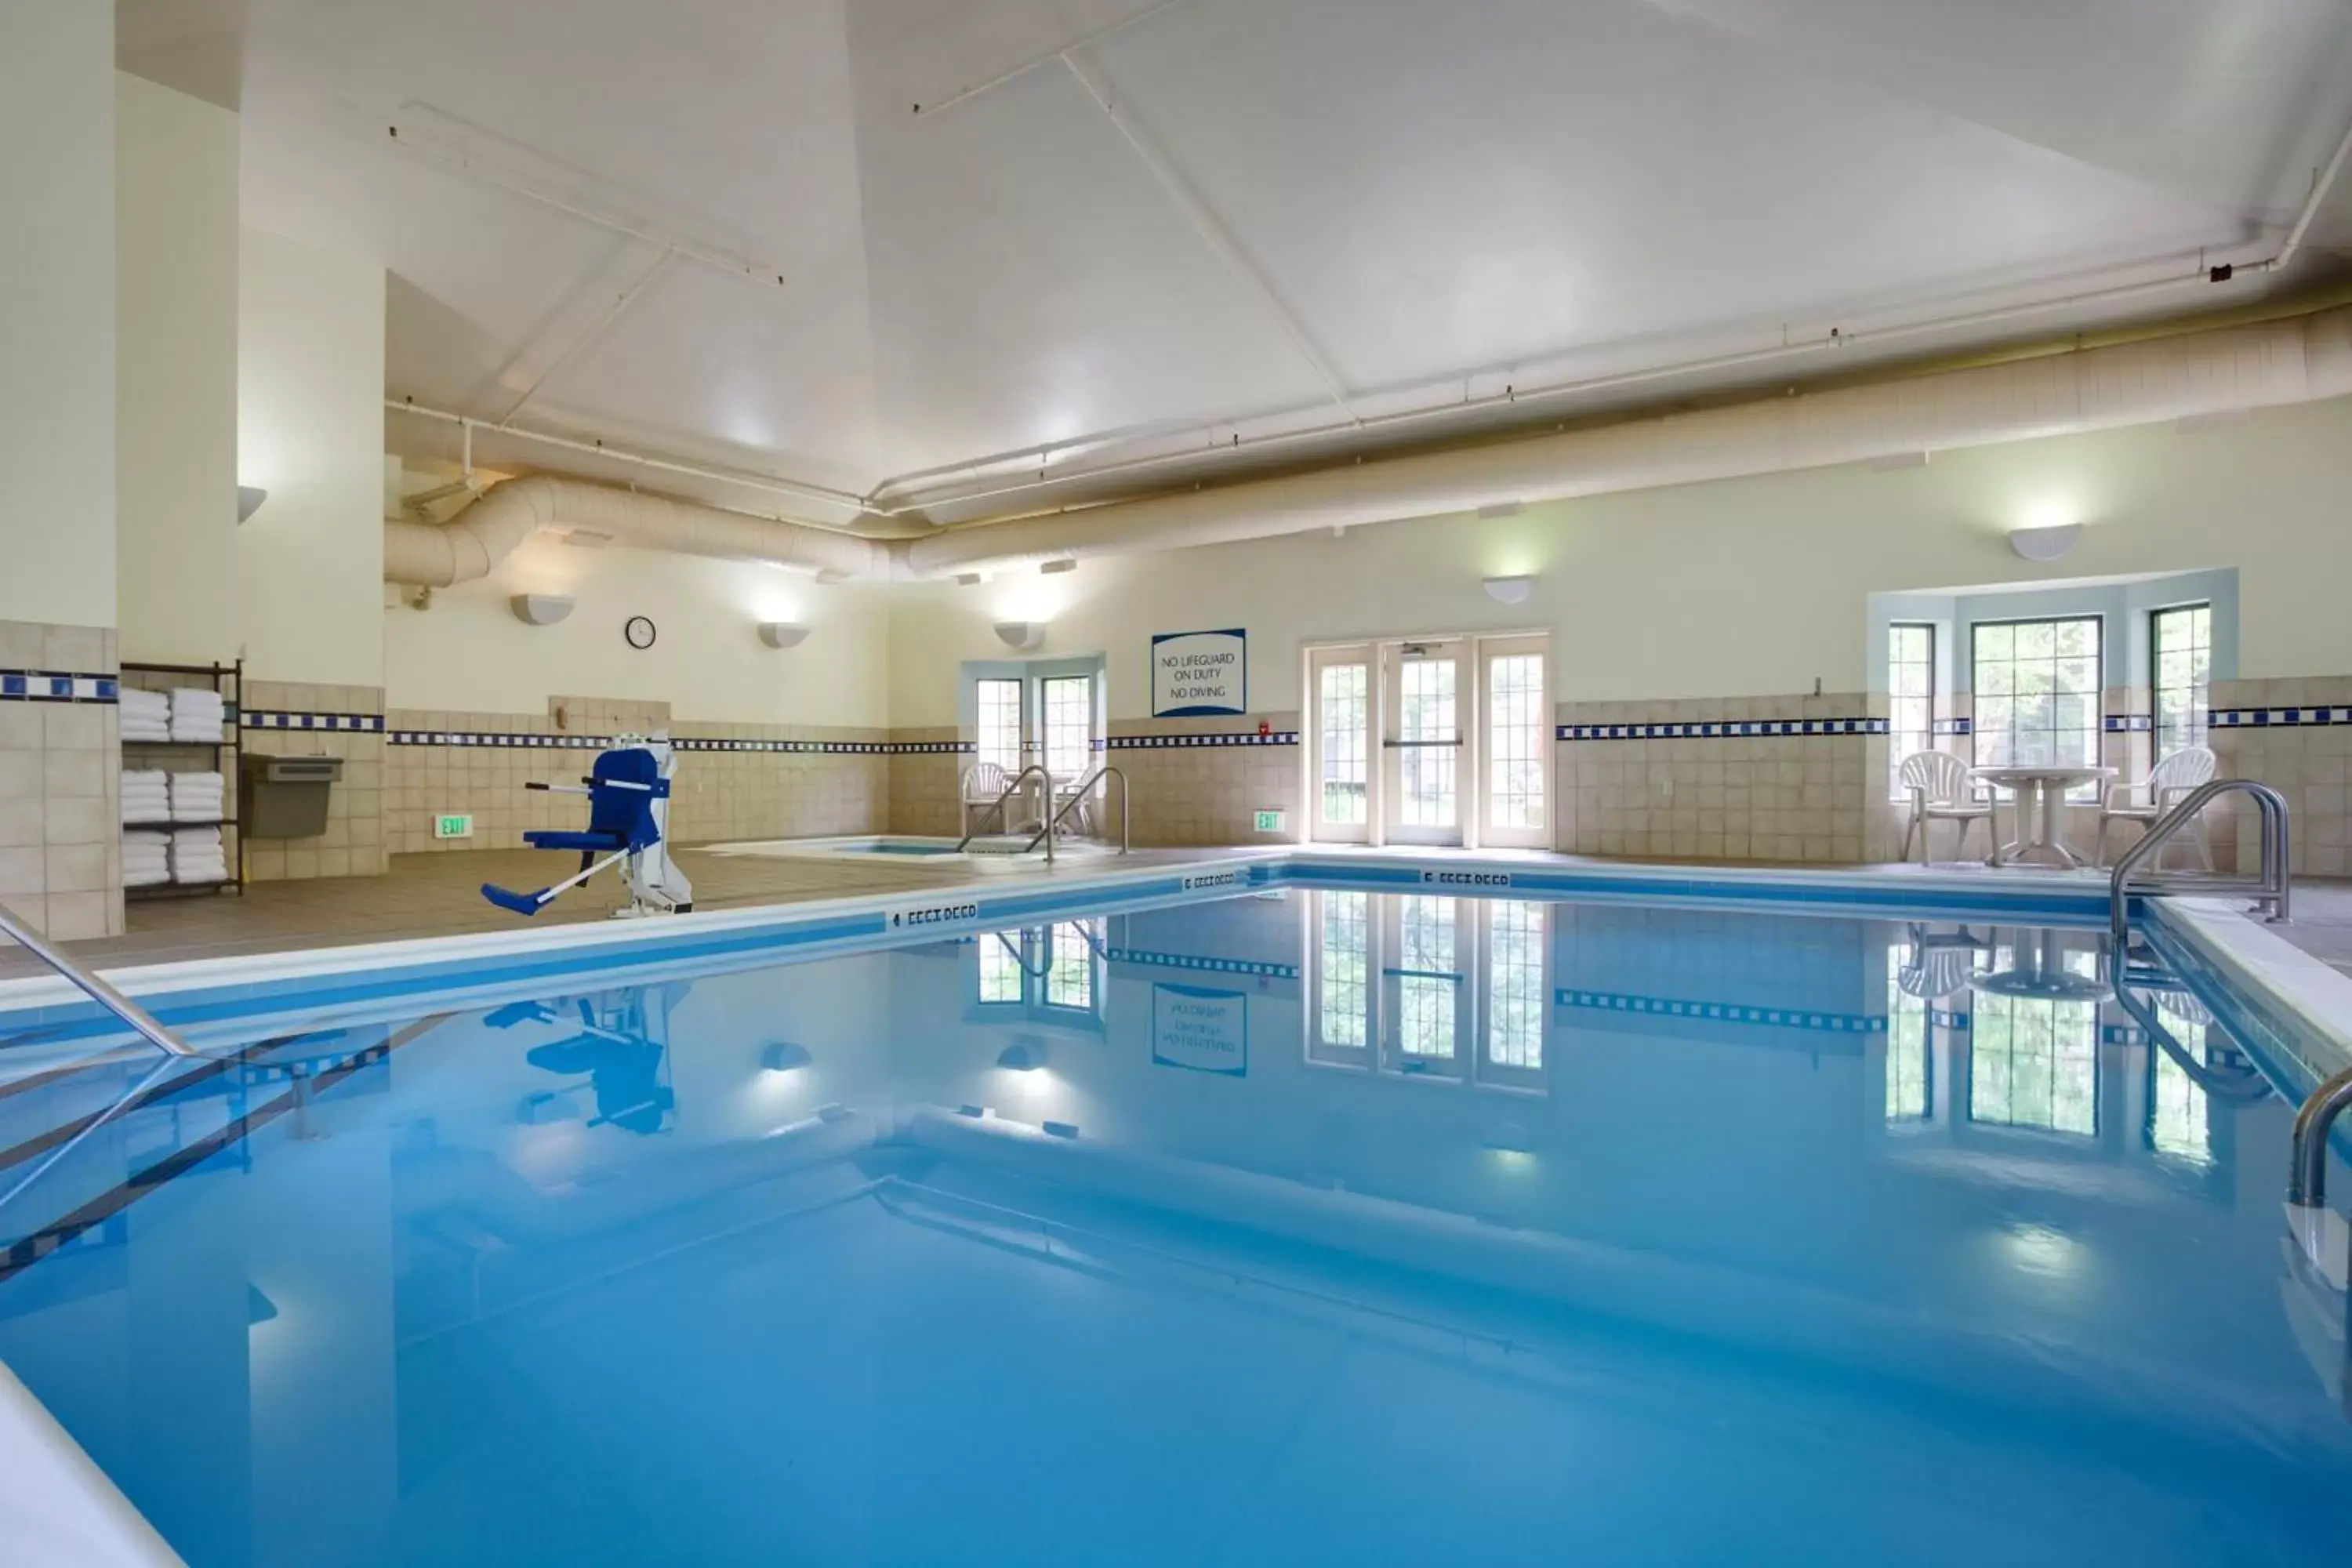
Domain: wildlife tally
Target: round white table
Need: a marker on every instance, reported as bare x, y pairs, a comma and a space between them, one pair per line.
2041, 791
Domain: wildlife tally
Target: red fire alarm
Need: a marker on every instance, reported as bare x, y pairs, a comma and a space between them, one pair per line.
1265, 727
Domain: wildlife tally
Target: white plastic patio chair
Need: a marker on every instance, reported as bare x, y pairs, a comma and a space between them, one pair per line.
983, 782
2166, 784
1941, 792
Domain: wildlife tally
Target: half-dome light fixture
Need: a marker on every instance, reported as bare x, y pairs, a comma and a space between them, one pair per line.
1022, 635
248, 500
2045, 543
539, 609
1510, 590
782, 634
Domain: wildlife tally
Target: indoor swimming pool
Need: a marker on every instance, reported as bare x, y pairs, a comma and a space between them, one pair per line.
1296, 1223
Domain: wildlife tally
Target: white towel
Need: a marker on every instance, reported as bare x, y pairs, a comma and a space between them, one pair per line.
147, 706
197, 797
197, 714
198, 855
146, 859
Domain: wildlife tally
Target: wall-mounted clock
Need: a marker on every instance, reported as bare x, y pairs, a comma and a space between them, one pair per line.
640, 632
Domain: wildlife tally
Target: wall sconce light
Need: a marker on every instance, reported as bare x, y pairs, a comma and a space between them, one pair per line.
2045, 543
1023, 1056
970, 579
1022, 635
248, 500
784, 1057
1510, 590
829, 576
539, 609
782, 634
1054, 568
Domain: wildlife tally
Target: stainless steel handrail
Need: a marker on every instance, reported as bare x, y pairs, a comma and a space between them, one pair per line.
2271, 887
1086, 787
997, 806
1021, 958
2306, 1177
98, 990
2241, 1090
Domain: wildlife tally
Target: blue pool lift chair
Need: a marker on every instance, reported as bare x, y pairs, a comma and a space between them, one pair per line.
628, 795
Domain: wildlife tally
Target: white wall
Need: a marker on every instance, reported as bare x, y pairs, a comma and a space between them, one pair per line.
1747, 587
175, 360
469, 653
57, 312
310, 403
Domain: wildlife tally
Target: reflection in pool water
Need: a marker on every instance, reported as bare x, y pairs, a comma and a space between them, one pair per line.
1323, 1226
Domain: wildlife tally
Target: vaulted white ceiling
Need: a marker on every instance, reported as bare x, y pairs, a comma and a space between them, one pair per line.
1222, 218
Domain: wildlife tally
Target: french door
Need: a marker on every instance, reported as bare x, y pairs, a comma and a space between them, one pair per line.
1425, 711
1442, 741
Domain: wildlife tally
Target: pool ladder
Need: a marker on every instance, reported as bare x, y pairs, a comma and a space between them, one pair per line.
97, 990
2315, 1122
1054, 820
2269, 886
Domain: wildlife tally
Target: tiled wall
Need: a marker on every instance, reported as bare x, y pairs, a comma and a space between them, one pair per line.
2297, 736
1761, 778
734, 781
60, 779
1809, 779
926, 769
304, 718
1202, 781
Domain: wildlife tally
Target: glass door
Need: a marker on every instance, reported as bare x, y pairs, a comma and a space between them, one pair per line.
1066, 713
1339, 732
1421, 770
1515, 749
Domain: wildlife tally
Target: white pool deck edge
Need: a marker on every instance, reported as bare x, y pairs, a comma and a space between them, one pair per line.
60, 1507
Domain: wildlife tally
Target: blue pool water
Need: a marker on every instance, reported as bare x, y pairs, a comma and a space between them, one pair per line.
1318, 1227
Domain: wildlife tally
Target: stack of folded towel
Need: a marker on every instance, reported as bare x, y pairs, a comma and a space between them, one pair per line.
146, 715
197, 714
198, 797
198, 855
146, 859
146, 796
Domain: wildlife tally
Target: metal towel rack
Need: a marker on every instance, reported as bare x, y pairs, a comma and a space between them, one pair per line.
2269, 888
98, 990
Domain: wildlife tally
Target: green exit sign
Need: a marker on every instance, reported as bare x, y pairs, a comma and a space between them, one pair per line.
457, 825
1269, 821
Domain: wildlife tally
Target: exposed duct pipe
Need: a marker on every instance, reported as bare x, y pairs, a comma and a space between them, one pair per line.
2298, 360
439, 555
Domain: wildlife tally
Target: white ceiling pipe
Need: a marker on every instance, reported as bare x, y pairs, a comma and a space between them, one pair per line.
2298, 360
438, 555
624, 454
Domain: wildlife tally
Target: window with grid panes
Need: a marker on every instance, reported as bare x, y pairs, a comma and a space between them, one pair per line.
2037, 691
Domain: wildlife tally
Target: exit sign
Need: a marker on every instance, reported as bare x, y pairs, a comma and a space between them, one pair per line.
1269, 821
459, 824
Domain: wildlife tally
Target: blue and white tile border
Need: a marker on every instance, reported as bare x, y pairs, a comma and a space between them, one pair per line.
1234, 738
1721, 728
336, 723
500, 740
2308, 716
55, 686
1722, 1012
